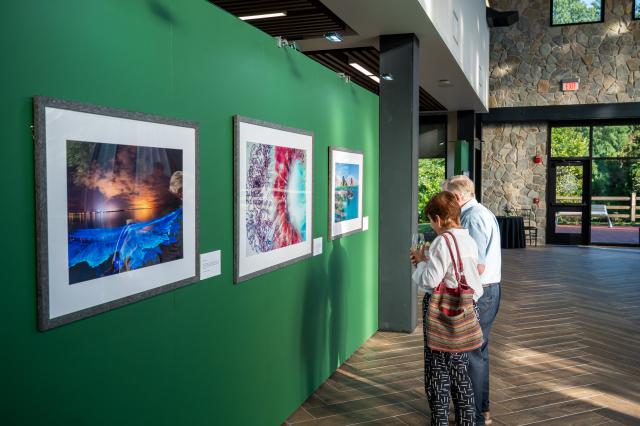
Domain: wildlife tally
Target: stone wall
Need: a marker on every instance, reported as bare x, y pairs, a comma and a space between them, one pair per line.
528, 61
509, 175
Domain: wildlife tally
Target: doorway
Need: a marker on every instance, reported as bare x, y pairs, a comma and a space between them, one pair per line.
593, 183
569, 202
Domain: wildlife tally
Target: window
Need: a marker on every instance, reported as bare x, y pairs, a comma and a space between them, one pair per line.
566, 12
636, 9
570, 142
612, 184
616, 141
569, 184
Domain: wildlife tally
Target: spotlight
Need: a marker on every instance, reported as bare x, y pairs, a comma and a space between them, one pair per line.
497, 18
386, 76
333, 36
445, 83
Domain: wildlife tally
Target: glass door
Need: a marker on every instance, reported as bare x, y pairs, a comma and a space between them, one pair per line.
568, 219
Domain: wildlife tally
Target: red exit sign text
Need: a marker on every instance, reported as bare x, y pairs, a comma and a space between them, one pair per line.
570, 85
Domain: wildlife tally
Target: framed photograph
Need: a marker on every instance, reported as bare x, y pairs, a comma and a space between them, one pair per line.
273, 191
345, 192
116, 208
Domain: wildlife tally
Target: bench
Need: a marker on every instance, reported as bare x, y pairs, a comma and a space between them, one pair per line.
596, 210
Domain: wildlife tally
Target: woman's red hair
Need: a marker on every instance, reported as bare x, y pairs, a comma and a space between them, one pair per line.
445, 206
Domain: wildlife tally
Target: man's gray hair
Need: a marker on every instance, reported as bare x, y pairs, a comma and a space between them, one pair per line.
460, 184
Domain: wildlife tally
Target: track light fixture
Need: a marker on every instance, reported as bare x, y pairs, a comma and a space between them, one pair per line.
283, 42
333, 36
345, 77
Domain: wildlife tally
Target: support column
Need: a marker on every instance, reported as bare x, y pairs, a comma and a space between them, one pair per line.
399, 122
467, 131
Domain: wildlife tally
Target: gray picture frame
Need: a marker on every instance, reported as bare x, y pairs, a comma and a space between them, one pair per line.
40, 103
330, 235
237, 119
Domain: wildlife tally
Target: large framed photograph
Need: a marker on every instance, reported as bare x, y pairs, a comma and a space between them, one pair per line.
116, 208
273, 196
345, 191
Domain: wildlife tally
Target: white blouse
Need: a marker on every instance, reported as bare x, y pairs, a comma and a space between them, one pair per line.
439, 266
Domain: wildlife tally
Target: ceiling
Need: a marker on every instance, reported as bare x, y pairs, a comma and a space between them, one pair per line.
361, 22
304, 18
369, 57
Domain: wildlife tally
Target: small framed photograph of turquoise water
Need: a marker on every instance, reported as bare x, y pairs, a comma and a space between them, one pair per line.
116, 195
346, 168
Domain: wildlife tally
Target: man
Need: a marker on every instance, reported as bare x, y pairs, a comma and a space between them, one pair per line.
483, 227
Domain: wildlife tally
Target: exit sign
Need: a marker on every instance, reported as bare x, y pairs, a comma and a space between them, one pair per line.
570, 85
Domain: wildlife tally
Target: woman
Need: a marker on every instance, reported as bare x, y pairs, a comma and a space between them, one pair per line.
446, 372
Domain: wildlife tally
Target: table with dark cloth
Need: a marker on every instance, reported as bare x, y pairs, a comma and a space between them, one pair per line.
511, 231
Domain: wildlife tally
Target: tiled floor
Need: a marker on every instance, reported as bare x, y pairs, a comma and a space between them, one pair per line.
565, 350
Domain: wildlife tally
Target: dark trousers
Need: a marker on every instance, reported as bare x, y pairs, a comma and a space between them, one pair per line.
488, 307
446, 373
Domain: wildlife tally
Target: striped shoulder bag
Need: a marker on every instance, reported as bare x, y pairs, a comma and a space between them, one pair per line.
452, 322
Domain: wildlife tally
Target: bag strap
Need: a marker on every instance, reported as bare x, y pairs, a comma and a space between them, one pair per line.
455, 242
453, 258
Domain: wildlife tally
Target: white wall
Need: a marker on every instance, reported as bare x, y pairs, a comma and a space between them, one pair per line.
466, 36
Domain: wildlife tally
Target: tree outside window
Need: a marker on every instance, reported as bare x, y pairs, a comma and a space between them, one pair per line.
565, 12
431, 173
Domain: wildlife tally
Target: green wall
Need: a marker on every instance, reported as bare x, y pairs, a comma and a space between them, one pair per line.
461, 163
212, 352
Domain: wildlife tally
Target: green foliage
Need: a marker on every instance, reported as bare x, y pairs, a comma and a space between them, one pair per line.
570, 142
616, 141
79, 159
633, 150
616, 177
569, 181
431, 173
615, 164
576, 11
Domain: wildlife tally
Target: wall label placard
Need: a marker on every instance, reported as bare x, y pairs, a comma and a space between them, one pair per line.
210, 264
317, 246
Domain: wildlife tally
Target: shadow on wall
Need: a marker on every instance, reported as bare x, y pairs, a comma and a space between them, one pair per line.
337, 302
322, 324
295, 70
161, 11
314, 333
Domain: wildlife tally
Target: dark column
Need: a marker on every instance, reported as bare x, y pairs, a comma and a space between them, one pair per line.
478, 161
467, 131
399, 114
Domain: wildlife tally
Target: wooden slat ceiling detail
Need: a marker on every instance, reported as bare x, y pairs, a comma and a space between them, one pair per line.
312, 19
369, 58
305, 18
